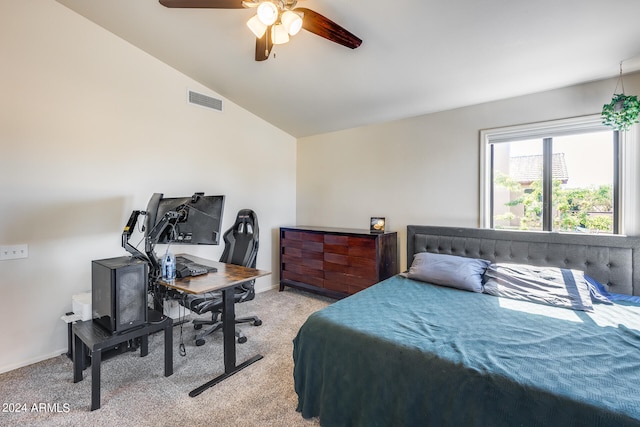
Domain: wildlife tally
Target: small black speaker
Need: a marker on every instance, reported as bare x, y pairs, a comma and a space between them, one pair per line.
119, 293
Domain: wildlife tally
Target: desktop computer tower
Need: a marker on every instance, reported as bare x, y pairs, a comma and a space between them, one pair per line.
119, 293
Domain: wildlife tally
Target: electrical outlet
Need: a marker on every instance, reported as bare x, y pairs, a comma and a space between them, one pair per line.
14, 252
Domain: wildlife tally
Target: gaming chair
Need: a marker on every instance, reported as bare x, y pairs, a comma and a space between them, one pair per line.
240, 248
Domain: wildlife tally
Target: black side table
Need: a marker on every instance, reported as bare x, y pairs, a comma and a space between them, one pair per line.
97, 339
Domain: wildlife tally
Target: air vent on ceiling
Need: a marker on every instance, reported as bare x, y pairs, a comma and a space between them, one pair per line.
196, 98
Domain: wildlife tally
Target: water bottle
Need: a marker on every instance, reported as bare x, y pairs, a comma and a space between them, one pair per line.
169, 266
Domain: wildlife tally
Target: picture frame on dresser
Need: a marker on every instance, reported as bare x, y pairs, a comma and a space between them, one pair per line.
376, 225
336, 262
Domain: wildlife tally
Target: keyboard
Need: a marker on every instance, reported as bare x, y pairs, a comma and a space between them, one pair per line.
187, 268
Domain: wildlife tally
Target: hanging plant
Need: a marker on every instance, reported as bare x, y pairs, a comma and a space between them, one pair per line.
621, 112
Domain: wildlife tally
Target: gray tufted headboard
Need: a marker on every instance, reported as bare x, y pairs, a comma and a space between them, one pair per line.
612, 260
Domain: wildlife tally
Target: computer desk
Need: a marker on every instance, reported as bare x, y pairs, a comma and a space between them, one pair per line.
225, 279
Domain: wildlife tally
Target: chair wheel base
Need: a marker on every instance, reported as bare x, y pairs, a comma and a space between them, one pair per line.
242, 340
257, 322
199, 342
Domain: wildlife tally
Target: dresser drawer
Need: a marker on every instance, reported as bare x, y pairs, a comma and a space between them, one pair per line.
350, 245
313, 262
301, 235
346, 282
313, 242
362, 247
302, 278
336, 244
357, 266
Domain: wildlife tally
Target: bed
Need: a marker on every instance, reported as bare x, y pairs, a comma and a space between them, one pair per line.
405, 352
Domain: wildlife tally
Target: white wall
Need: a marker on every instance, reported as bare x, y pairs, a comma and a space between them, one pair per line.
424, 170
90, 127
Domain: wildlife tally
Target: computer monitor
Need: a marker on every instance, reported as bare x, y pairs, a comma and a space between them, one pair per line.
198, 220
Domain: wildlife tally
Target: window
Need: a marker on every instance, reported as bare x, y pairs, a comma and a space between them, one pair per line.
553, 176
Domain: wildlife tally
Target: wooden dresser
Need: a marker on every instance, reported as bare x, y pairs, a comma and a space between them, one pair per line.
335, 262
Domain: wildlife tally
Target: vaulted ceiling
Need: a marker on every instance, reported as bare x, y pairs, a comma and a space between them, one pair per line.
417, 57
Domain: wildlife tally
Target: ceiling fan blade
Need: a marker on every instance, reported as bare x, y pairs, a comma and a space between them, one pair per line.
264, 45
324, 27
205, 4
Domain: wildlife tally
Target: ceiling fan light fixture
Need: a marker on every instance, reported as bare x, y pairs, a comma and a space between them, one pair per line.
256, 26
274, 21
292, 22
279, 34
267, 13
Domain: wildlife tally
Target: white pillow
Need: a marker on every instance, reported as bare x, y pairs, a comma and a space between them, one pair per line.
449, 270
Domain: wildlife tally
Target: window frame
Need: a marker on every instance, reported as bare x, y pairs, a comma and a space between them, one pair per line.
624, 169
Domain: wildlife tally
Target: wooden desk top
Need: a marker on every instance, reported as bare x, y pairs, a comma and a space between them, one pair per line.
228, 275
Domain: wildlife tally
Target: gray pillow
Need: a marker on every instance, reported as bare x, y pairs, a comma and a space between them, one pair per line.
449, 270
561, 287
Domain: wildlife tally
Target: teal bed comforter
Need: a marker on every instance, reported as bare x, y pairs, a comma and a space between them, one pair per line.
407, 353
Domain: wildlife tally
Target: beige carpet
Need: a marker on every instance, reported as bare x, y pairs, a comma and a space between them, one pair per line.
136, 393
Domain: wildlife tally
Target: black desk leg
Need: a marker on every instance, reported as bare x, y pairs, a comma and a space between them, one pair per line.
229, 330
168, 350
78, 358
96, 360
144, 345
229, 342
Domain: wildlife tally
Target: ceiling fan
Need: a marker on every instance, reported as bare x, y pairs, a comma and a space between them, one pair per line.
275, 21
